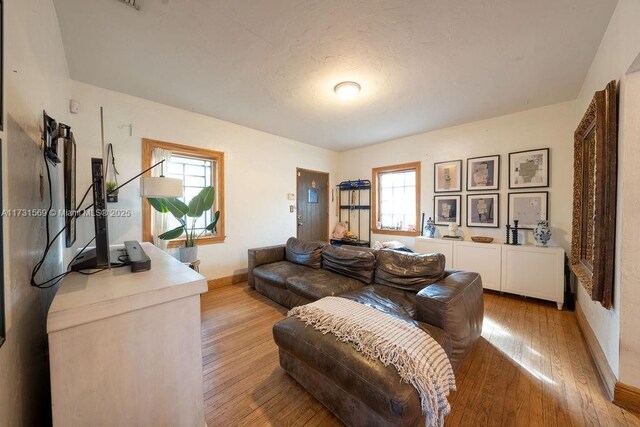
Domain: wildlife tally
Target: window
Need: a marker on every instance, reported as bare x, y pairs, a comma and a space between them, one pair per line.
197, 168
396, 206
195, 174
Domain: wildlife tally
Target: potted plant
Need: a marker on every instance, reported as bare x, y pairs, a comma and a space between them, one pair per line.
187, 215
113, 197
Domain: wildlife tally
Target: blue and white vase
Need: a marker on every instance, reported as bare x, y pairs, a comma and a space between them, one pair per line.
430, 228
542, 233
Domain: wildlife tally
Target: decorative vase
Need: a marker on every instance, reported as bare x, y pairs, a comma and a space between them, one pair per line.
430, 228
188, 253
542, 233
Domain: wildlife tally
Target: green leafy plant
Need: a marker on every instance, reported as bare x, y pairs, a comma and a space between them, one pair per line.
187, 215
110, 186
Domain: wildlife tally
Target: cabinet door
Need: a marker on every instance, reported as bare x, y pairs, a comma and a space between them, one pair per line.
425, 245
483, 258
534, 272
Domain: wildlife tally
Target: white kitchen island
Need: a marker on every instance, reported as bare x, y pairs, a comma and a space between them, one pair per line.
125, 348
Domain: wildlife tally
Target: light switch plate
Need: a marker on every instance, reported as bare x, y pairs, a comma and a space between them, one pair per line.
291, 196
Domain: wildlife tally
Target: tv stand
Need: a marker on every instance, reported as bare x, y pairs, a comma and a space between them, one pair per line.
122, 345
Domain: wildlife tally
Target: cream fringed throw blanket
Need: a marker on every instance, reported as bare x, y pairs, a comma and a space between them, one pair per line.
419, 359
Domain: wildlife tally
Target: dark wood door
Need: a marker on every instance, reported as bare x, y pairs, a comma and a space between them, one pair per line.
312, 205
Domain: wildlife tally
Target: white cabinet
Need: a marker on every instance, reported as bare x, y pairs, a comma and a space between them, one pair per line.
125, 348
426, 245
524, 270
483, 258
534, 272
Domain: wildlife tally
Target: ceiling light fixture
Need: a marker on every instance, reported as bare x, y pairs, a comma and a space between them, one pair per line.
347, 90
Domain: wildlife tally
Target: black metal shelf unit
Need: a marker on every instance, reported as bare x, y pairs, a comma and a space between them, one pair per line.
357, 195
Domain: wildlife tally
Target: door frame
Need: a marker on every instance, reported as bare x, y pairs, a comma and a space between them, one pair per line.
298, 170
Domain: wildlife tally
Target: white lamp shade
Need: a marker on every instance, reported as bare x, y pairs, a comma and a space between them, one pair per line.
153, 186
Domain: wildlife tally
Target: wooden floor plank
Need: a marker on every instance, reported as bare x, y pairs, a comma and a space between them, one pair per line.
530, 368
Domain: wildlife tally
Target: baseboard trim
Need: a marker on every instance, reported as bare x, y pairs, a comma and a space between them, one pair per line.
226, 281
608, 378
627, 397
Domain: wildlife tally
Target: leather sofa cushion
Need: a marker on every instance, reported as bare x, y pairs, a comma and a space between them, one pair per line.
316, 284
408, 271
304, 252
260, 256
360, 265
279, 295
360, 248
398, 303
456, 305
389, 300
277, 273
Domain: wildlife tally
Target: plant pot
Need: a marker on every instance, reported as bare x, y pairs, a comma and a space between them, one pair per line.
188, 254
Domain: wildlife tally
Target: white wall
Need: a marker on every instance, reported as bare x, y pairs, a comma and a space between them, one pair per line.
618, 49
550, 126
36, 78
629, 231
260, 169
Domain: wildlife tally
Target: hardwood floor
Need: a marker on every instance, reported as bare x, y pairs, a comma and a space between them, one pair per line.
530, 367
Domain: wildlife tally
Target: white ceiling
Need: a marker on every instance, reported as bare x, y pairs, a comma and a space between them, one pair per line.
272, 65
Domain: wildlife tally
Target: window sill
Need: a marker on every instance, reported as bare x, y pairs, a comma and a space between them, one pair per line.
395, 232
200, 242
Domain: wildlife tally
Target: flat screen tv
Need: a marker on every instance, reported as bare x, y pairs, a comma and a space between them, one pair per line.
97, 257
70, 188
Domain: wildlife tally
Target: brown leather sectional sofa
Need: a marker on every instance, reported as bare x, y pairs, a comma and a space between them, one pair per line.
446, 304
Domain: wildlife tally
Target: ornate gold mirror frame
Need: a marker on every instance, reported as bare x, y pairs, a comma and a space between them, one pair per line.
594, 196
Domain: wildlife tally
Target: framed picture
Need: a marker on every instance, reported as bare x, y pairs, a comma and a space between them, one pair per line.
483, 210
595, 161
483, 173
447, 209
528, 208
529, 169
447, 176
312, 197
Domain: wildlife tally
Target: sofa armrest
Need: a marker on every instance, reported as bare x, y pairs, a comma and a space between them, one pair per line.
265, 255
456, 305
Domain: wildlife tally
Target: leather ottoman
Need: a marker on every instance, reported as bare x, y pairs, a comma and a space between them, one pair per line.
358, 390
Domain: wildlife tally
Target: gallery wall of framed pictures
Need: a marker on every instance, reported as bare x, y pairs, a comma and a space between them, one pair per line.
527, 171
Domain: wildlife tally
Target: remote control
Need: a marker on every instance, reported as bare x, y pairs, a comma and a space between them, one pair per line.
138, 259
